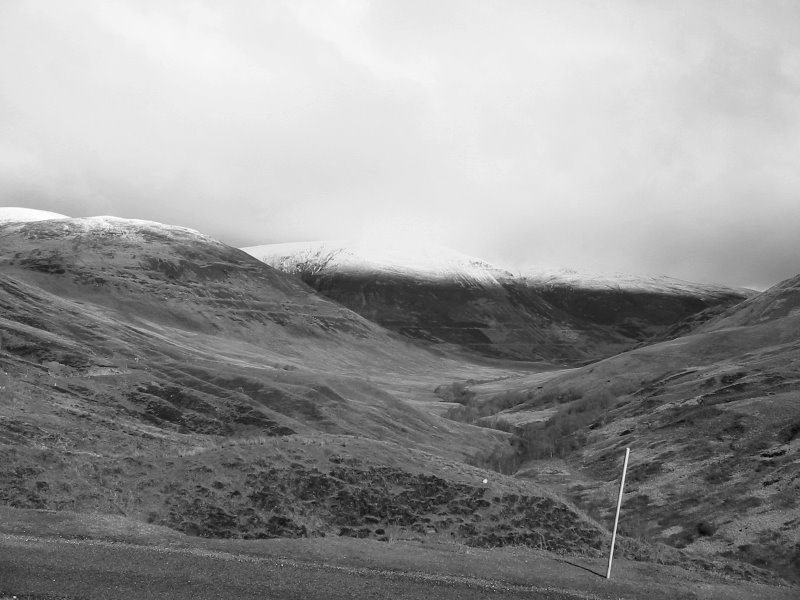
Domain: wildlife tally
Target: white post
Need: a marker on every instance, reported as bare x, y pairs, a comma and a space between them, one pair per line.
616, 519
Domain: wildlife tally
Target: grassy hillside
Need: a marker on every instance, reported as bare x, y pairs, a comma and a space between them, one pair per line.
101, 556
713, 423
153, 373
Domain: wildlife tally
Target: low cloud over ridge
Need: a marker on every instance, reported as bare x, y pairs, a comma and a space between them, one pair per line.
631, 136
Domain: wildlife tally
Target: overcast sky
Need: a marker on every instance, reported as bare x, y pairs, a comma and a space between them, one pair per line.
652, 137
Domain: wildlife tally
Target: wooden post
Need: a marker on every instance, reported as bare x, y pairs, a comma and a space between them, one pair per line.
616, 519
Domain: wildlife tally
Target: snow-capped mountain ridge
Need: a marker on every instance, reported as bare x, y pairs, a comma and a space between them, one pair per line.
420, 290
661, 284
432, 262
15, 219
117, 224
437, 294
419, 260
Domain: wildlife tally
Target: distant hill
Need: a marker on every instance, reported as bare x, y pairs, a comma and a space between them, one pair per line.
778, 302
433, 293
638, 307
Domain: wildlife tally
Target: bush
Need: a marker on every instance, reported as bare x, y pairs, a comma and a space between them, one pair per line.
555, 438
706, 529
788, 433
561, 435
503, 460
471, 409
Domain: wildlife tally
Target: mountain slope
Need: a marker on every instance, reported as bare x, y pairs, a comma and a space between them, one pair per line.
440, 296
713, 422
150, 371
146, 299
436, 294
637, 307
780, 301
413, 261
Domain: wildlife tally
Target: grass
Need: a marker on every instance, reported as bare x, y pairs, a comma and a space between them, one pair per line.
435, 559
301, 486
711, 421
168, 392
33, 597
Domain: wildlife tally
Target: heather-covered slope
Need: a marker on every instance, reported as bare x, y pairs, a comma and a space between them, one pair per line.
150, 371
713, 422
156, 307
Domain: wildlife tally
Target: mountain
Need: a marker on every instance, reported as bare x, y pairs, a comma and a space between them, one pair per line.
150, 371
433, 293
779, 302
101, 292
442, 297
413, 261
554, 278
634, 306
712, 420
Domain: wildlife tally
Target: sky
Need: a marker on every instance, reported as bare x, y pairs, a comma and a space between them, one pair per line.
638, 136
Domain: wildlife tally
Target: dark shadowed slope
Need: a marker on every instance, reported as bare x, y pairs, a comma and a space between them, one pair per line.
438, 295
637, 307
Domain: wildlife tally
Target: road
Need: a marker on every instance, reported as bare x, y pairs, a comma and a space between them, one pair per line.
92, 569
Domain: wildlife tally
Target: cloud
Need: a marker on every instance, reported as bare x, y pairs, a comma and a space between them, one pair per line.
636, 136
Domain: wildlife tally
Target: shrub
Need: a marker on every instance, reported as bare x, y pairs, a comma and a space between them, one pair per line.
555, 438
504, 460
561, 434
706, 529
788, 433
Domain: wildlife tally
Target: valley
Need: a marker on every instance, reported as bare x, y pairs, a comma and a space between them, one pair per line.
156, 376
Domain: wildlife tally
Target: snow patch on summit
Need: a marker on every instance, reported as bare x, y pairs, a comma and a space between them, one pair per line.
109, 223
417, 260
549, 277
425, 261
14, 214
101, 227
27, 215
